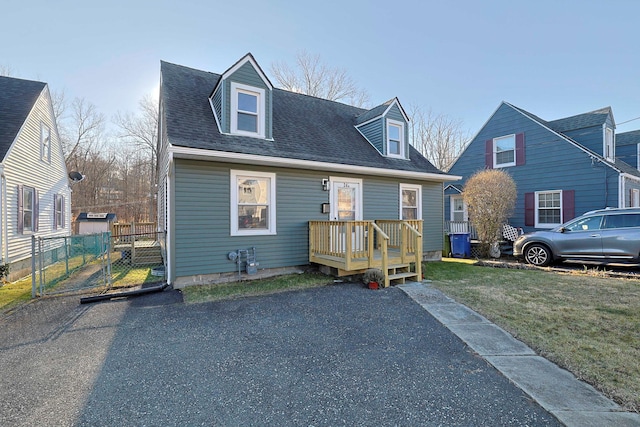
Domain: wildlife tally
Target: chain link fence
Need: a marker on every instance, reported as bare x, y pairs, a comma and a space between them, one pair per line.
96, 262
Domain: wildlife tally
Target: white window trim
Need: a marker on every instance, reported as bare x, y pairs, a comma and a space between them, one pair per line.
391, 122
234, 175
418, 189
635, 198
260, 93
504, 165
31, 190
539, 224
612, 155
58, 225
465, 213
45, 151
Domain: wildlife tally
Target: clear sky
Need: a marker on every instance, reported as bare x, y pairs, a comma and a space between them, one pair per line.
554, 58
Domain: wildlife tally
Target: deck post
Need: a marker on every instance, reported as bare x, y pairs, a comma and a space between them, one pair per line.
419, 257
385, 262
348, 237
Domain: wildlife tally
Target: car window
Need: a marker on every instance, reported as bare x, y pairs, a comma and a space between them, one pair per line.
622, 221
585, 224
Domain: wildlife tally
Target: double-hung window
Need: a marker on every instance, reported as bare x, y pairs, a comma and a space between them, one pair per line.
504, 151
58, 211
410, 201
395, 138
27, 209
45, 143
247, 110
253, 203
609, 146
548, 208
458, 209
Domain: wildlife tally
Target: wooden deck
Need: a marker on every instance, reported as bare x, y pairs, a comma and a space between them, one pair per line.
352, 247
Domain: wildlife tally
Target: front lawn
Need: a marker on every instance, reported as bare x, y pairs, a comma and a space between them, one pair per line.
584, 322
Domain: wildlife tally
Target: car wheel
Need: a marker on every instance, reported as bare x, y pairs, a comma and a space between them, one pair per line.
538, 255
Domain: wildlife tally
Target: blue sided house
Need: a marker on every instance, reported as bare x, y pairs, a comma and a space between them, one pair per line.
562, 168
255, 178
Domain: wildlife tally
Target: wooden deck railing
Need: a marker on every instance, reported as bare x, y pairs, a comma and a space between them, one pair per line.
358, 245
133, 231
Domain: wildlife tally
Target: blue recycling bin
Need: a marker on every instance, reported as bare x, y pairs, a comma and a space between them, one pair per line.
460, 245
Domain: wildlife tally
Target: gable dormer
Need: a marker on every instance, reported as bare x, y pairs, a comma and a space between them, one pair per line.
242, 100
386, 128
609, 138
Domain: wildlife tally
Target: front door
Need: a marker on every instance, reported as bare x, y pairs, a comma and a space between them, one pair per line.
346, 205
346, 199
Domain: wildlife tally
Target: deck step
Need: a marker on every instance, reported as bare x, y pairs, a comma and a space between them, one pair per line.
397, 273
403, 276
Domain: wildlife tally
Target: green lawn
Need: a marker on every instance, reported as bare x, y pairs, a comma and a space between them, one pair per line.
13, 294
584, 322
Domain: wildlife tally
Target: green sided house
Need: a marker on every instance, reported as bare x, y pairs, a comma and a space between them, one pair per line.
252, 177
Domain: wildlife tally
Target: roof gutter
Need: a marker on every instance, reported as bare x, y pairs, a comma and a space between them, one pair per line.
229, 157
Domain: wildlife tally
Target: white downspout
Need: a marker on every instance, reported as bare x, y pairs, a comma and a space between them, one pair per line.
169, 219
4, 231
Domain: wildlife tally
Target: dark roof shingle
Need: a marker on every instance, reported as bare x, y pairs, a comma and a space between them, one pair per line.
304, 127
17, 97
581, 121
628, 138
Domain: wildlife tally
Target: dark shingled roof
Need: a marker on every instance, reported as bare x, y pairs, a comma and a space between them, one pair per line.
628, 138
528, 114
304, 127
581, 121
17, 98
374, 112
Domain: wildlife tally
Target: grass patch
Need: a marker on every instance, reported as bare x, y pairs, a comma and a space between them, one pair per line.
13, 294
123, 276
204, 293
586, 323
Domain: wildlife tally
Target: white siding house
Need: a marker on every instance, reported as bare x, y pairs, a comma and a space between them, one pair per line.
35, 195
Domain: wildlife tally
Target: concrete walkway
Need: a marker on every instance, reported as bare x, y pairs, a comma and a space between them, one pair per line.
573, 402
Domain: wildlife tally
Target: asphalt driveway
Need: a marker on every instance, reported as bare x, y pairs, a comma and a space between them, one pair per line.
337, 355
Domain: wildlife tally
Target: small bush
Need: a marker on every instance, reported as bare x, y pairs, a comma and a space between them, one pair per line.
373, 275
491, 197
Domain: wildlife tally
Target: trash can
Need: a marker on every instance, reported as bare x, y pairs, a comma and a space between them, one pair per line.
460, 245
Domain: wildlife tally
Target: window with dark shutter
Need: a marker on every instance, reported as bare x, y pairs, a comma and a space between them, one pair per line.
568, 205
519, 149
20, 210
530, 209
488, 154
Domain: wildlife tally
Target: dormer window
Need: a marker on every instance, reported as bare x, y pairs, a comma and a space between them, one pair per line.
395, 138
247, 110
609, 150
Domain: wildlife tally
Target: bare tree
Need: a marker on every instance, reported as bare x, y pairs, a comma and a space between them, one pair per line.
311, 76
438, 137
6, 70
82, 132
59, 101
141, 130
490, 196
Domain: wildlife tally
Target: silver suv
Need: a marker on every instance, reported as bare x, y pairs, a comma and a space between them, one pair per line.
607, 235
